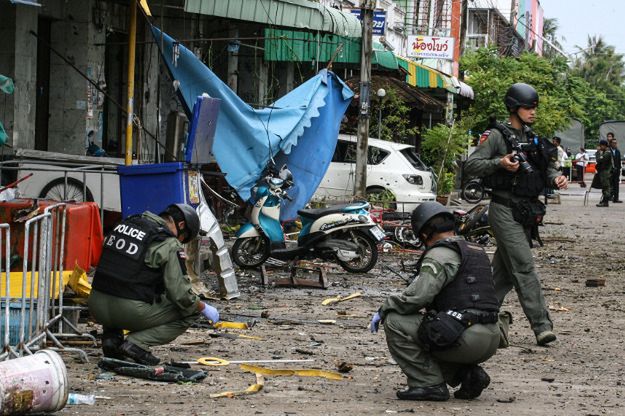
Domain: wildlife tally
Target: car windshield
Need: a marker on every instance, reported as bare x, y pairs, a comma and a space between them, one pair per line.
410, 154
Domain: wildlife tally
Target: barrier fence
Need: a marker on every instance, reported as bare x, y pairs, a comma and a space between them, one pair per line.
36, 313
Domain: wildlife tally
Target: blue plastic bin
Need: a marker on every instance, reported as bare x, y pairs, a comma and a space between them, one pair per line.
15, 309
151, 187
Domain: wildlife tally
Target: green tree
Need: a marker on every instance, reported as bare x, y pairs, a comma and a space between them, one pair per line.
396, 124
491, 75
550, 32
601, 66
440, 149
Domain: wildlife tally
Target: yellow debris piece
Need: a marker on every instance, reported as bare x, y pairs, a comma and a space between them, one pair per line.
330, 375
338, 299
145, 7
231, 325
15, 284
253, 389
79, 284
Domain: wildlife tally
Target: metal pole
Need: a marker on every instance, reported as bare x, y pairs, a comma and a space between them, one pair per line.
380, 121
360, 183
132, 39
464, 18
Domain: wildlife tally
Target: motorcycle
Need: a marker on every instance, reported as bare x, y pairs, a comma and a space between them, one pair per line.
343, 233
473, 224
474, 191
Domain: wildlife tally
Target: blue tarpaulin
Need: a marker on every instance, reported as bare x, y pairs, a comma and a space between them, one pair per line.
300, 129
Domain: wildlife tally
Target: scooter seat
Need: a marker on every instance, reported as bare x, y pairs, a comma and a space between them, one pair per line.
335, 209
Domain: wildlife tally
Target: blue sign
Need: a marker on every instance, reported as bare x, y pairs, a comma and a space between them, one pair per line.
379, 20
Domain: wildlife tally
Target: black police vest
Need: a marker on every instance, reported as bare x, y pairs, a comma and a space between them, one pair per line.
122, 271
529, 185
473, 287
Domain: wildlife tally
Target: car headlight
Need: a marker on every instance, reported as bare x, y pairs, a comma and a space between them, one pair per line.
414, 179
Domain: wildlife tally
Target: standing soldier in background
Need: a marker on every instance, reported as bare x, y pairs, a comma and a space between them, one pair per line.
616, 171
518, 165
603, 177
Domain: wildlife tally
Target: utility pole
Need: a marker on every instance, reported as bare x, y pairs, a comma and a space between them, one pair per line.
360, 183
464, 20
132, 40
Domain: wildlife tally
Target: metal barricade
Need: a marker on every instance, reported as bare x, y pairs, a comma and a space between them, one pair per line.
58, 325
5, 243
41, 314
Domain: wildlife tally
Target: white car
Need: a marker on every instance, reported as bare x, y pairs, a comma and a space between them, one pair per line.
393, 170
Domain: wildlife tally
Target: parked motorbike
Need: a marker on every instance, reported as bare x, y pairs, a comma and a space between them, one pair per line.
474, 191
343, 233
473, 224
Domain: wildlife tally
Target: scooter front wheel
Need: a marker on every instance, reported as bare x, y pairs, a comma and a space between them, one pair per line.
367, 253
250, 252
473, 192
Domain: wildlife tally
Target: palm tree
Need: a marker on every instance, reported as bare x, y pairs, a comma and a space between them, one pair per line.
550, 29
601, 66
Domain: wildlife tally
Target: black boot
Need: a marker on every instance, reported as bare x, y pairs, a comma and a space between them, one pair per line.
603, 202
474, 381
138, 354
438, 393
112, 339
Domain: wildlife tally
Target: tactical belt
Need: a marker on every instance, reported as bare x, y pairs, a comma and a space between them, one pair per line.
472, 318
501, 201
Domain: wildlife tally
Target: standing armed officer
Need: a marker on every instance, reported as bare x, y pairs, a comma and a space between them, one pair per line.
518, 165
605, 164
141, 284
454, 285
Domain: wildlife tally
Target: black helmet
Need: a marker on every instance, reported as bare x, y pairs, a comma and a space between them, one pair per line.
186, 213
520, 95
425, 212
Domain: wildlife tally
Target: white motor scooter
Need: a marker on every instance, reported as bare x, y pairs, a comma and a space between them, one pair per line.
343, 233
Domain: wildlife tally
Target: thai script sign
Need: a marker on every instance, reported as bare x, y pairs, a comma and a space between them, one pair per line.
379, 20
435, 47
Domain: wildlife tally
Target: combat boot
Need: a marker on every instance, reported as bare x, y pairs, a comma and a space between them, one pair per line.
473, 382
603, 203
112, 339
138, 354
545, 338
438, 393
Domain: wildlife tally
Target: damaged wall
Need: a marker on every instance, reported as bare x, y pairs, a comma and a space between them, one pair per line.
92, 35
71, 111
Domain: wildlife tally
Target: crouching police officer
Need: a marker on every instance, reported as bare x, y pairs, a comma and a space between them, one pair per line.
140, 284
455, 286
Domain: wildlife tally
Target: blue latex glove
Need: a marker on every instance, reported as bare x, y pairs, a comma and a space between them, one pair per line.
210, 313
375, 323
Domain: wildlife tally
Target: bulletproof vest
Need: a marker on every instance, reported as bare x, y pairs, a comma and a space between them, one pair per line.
473, 286
538, 153
122, 271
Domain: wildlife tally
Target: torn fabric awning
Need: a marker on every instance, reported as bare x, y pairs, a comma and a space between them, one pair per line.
300, 129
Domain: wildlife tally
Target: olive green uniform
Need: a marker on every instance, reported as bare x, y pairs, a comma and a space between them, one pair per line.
605, 164
513, 265
162, 321
402, 317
